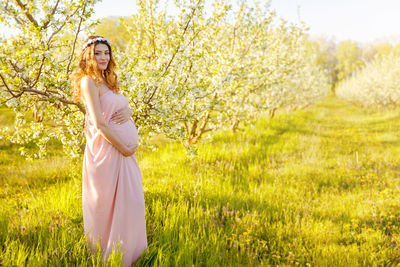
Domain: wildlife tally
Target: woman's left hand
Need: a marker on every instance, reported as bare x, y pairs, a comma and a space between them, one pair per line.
121, 115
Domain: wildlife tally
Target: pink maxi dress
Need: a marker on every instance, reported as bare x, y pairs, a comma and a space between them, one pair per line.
112, 189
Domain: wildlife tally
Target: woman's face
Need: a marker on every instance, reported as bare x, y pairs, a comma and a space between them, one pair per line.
102, 56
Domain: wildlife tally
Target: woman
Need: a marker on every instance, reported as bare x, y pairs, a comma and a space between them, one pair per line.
112, 190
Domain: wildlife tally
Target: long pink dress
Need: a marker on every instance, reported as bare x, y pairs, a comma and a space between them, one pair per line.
112, 190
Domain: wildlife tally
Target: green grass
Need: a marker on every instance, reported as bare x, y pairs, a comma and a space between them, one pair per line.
318, 187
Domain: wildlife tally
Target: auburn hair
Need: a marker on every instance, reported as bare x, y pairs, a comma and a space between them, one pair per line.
87, 66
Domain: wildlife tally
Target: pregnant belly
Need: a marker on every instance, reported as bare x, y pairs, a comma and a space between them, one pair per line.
126, 132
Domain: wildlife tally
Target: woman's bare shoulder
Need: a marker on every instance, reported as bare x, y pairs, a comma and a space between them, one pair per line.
87, 81
89, 85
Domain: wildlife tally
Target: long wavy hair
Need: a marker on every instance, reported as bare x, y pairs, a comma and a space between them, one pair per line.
87, 66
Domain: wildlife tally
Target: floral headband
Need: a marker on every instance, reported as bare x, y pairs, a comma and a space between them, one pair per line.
95, 40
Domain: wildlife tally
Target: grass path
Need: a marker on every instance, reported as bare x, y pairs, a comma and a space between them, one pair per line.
317, 187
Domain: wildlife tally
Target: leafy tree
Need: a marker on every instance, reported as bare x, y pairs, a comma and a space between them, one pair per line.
349, 61
35, 65
185, 75
192, 73
113, 28
326, 58
371, 51
376, 85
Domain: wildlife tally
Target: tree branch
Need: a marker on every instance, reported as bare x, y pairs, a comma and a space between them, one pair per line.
7, 10
51, 15
76, 37
233, 39
61, 99
6, 85
27, 13
62, 26
203, 96
153, 37
19, 71
10, 91
39, 71
186, 127
173, 55
16, 96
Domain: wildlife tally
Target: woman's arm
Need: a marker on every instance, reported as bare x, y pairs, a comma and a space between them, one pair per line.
90, 93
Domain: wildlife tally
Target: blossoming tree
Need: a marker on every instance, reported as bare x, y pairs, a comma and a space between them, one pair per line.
194, 73
185, 75
35, 64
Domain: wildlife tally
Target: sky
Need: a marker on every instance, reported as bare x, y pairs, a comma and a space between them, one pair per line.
358, 20
362, 21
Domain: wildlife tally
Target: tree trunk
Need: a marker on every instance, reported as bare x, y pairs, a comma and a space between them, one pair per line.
272, 112
235, 125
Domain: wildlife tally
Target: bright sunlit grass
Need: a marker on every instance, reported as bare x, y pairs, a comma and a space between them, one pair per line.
317, 187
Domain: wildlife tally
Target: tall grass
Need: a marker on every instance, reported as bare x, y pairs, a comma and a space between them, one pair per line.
318, 187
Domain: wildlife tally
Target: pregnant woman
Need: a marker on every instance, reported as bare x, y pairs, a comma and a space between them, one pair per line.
112, 190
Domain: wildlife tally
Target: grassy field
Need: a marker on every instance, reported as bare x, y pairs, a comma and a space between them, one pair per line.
317, 187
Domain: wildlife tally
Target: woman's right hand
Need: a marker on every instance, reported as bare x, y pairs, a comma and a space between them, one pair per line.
129, 150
